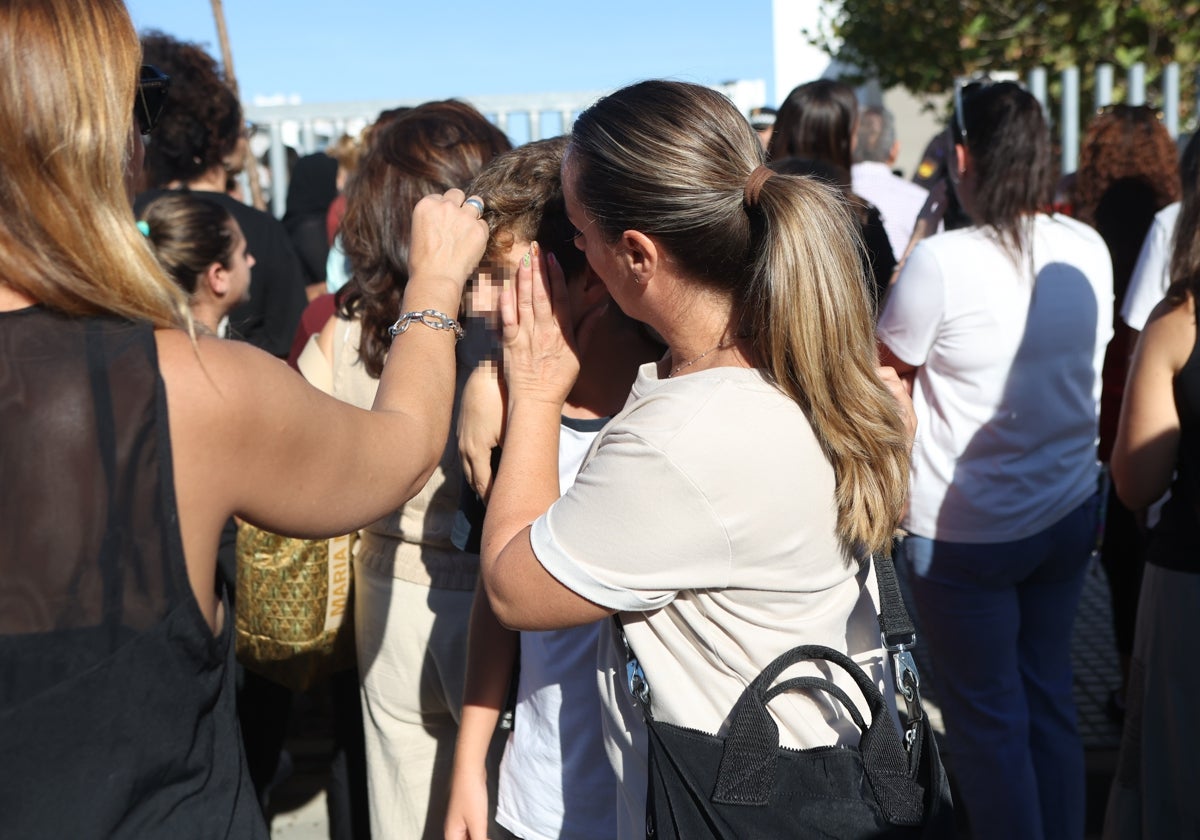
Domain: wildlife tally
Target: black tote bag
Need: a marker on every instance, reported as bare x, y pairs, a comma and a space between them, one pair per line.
745, 786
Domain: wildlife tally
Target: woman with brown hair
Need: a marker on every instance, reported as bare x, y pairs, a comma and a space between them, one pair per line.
129, 441
201, 247
413, 588
819, 122
1128, 171
728, 510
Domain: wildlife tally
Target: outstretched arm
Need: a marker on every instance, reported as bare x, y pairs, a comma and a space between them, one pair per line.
250, 437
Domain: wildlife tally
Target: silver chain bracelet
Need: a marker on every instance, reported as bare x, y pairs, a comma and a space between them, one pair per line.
429, 317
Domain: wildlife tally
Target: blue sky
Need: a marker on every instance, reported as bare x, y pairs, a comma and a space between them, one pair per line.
336, 50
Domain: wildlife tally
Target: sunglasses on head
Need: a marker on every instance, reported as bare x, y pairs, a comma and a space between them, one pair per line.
963, 90
152, 89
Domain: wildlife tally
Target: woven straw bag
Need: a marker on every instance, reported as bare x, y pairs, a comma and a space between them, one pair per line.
294, 606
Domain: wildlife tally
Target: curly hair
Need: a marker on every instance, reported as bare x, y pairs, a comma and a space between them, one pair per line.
522, 191
1128, 171
202, 119
432, 148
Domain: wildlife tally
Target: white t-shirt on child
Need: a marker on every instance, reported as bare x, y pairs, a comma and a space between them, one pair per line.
554, 779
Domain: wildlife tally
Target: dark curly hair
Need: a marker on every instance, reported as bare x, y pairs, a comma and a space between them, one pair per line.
202, 119
1128, 171
432, 148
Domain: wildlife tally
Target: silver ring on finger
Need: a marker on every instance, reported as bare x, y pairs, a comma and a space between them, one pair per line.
477, 203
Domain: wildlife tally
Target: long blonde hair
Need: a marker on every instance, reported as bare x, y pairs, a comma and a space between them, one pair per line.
68, 73
672, 160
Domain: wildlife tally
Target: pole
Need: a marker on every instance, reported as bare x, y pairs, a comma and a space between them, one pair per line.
218, 8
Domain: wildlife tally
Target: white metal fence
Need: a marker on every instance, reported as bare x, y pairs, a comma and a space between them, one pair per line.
1067, 116
309, 128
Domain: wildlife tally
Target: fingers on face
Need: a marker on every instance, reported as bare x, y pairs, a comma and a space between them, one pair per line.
508, 307
540, 283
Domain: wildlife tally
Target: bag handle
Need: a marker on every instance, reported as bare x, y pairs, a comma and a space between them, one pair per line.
746, 775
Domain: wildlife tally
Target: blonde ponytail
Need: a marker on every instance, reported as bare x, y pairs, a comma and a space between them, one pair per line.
810, 318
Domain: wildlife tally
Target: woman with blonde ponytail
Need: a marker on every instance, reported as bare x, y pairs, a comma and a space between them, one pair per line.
129, 439
728, 511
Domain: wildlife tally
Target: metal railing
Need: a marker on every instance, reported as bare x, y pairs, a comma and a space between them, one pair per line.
309, 128
1068, 117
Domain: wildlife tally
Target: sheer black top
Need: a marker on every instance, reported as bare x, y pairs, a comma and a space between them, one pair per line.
117, 713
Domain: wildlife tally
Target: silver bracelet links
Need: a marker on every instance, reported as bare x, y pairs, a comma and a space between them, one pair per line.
429, 317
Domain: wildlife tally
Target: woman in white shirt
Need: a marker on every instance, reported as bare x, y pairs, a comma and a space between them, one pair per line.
724, 510
1002, 328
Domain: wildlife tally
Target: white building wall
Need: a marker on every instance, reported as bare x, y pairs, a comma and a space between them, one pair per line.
796, 60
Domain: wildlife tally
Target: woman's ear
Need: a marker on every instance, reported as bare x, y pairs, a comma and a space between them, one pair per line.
641, 255
216, 280
961, 158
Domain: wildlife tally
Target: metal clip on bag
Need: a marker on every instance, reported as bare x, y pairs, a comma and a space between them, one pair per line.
745, 786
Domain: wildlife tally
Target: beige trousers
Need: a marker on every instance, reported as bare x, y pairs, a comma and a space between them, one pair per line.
412, 648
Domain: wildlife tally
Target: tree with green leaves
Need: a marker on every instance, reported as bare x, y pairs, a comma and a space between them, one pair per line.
924, 44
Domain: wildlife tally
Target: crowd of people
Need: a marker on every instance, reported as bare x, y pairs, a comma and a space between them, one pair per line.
671, 381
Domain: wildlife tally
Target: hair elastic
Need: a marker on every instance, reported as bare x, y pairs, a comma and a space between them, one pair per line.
754, 185
144, 227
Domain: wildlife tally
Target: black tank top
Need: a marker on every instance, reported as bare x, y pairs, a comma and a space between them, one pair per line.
1175, 542
117, 708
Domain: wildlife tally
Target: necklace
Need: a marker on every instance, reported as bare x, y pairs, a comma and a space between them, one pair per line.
720, 345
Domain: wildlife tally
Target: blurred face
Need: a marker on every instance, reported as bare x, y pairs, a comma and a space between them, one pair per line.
238, 267
483, 297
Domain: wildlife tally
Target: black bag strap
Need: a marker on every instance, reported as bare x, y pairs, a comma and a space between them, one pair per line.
899, 637
894, 621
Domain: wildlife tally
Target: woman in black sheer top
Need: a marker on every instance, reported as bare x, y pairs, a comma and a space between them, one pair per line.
128, 440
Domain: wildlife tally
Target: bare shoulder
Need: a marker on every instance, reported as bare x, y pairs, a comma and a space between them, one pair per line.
209, 369
223, 395
1170, 334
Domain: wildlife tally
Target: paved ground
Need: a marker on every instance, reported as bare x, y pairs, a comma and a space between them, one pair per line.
300, 801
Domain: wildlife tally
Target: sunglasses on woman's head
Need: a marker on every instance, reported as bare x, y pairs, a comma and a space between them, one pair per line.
152, 89
964, 89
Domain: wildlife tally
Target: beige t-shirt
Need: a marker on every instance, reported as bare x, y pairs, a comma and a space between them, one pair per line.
705, 514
